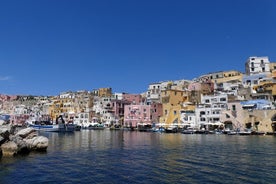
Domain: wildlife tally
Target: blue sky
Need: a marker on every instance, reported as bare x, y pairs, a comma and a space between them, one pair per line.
52, 46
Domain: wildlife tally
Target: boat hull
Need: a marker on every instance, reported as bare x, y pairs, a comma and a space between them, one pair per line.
54, 128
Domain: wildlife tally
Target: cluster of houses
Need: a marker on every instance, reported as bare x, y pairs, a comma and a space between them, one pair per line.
220, 100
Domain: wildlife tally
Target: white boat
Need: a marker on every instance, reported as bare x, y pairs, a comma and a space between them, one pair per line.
48, 126
189, 130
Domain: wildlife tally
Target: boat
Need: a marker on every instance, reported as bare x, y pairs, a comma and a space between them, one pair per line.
232, 133
158, 129
43, 127
171, 129
48, 126
144, 127
189, 130
245, 132
96, 126
116, 127
53, 127
271, 133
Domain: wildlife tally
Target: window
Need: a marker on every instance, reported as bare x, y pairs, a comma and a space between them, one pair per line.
233, 107
174, 112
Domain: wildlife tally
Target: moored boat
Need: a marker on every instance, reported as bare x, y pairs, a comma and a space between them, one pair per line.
144, 127
171, 129
96, 126
189, 131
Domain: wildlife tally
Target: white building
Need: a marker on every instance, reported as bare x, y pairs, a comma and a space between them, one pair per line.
188, 118
103, 109
209, 112
257, 65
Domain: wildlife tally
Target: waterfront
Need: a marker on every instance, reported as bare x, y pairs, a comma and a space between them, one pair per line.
103, 156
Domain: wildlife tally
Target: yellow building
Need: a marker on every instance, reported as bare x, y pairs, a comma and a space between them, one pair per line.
173, 101
226, 76
104, 92
222, 76
62, 106
266, 87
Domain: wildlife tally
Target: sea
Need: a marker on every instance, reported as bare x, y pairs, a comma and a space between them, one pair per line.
115, 156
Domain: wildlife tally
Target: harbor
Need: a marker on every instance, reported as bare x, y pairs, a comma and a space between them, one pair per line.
104, 156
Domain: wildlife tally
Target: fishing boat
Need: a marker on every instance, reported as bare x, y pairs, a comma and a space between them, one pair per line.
48, 126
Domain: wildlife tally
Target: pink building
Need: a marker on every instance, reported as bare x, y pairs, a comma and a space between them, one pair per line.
133, 98
135, 114
118, 108
156, 112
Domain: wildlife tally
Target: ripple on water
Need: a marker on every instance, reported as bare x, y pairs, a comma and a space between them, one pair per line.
136, 157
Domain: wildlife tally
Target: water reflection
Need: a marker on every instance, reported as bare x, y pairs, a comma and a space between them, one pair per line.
103, 156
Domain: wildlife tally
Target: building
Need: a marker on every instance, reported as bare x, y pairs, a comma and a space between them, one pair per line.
257, 65
172, 101
209, 111
133, 98
136, 114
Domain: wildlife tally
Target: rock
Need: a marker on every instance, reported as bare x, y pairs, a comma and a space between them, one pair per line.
9, 149
21, 143
4, 132
24, 141
2, 140
39, 143
25, 132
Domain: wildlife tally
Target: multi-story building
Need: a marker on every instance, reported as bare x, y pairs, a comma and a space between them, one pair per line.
104, 112
104, 92
209, 111
133, 98
188, 119
154, 91
223, 76
156, 112
257, 65
249, 115
137, 114
118, 108
172, 101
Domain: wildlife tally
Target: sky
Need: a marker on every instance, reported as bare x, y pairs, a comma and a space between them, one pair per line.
53, 46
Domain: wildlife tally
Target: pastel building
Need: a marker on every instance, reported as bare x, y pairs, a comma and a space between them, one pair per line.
257, 65
133, 98
249, 115
118, 108
209, 111
172, 101
136, 114
154, 91
156, 112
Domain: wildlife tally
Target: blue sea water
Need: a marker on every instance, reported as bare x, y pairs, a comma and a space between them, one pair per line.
105, 156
